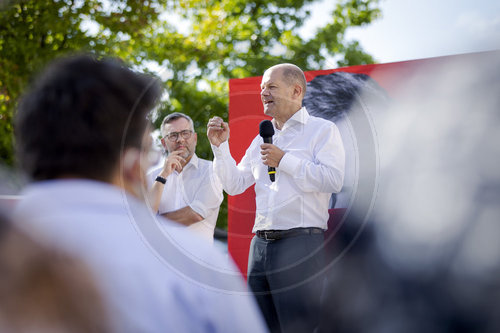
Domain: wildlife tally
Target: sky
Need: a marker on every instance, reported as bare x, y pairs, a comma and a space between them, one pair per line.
416, 29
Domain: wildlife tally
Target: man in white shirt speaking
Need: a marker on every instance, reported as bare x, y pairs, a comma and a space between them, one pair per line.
286, 259
184, 189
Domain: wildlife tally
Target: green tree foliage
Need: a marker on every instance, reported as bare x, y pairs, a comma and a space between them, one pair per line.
34, 32
194, 46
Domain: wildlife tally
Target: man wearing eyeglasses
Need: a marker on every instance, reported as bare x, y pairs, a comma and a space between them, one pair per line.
185, 189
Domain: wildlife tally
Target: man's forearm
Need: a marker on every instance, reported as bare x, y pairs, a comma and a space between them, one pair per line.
155, 195
185, 216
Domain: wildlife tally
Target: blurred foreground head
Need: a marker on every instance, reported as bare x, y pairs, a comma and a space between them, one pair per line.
43, 290
429, 259
81, 117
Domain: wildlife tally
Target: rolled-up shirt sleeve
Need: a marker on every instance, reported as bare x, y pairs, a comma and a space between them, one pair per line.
235, 179
208, 195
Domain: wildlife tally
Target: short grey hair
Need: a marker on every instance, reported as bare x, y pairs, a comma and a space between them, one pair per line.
292, 74
174, 116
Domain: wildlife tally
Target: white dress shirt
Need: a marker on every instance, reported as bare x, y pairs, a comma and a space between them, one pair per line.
197, 187
152, 279
309, 172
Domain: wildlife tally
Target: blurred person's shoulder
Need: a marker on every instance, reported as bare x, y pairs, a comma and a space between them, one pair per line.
63, 196
123, 242
200, 254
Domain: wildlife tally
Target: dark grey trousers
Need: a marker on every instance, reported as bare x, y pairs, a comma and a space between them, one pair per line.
287, 280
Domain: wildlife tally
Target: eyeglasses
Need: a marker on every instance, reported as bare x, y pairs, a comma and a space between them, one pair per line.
174, 136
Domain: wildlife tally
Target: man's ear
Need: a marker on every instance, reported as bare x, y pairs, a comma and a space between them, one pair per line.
297, 91
164, 146
130, 171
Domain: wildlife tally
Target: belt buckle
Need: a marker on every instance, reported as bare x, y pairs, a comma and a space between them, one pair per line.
266, 237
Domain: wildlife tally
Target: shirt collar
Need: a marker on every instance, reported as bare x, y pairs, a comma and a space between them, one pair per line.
301, 117
194, 161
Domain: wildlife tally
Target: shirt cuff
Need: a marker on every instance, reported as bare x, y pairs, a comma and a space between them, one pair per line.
222, 150
289, 164
199, 209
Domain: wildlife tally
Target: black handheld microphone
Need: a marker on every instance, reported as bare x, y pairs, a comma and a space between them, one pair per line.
266, 131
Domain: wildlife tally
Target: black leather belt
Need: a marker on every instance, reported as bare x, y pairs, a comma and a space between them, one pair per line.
279, 234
